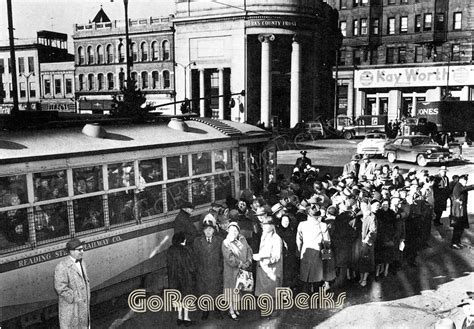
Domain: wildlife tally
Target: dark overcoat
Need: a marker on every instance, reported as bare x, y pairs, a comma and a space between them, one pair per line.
459, 207
181, 269
209, 265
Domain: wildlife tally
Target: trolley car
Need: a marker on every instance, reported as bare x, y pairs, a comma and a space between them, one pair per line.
119, 193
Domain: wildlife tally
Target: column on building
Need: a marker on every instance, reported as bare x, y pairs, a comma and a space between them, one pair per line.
350, 99
266, 78
202, 103
433, 95
189, 86
394, 104
359, 102
221, 93
295, 89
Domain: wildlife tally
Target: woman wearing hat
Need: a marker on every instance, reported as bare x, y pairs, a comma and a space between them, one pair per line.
286, 231
237, 255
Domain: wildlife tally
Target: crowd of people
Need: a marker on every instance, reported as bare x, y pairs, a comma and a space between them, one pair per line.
313, 230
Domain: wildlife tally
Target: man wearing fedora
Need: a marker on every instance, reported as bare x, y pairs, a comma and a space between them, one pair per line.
352, 166
184, 223
441, 194
366, 168
72, 286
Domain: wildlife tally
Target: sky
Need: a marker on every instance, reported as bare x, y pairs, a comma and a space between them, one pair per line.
30, 16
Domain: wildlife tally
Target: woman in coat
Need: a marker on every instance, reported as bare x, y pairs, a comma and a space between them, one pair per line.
180, 263
269, 260
287, 233
386, 234
237, 255
364, 248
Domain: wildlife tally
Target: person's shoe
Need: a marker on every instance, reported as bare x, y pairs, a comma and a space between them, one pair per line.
363, 283
205, 315
234, 316
188, 323
460, 245
179, 322
454, 246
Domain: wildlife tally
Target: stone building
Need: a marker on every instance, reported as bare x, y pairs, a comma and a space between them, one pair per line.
396, 53
100, 62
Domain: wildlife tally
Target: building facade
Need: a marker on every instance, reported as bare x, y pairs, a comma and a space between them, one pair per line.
49, 47
57, 87
100, 63
396, 53
279, 53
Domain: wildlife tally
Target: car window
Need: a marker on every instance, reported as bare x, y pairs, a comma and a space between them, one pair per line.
406, 142
422, 140
398, 141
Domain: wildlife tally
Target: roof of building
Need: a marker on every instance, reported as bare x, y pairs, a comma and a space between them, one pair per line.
101, 17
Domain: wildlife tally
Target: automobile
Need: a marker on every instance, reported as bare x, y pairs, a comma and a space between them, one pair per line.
373, 143
304, 131
416, 148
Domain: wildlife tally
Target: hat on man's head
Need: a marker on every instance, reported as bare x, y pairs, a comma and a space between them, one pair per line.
347, 192
303, 152
207, 224
209, 219
331, 211
235, 224
377, 196
412, 171
314, 199
267, 220
355, 157
277, 207
365, 157
74, 244
443, 168
234, 214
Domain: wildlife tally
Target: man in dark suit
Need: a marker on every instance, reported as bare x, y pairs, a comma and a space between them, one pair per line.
184, 223
302, 161
72, 286
440, 194
459, 220
207, 250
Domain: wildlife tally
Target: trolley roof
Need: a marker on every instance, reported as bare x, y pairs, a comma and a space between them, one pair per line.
19, 146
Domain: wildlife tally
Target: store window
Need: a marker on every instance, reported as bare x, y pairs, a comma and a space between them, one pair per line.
343, 27
383, 106
68, 86
57, 86
370, 106
47, 85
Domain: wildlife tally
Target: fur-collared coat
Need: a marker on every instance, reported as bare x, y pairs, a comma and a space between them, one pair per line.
74, 295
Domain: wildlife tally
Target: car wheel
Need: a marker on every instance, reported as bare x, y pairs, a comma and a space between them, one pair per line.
421, 160
348, 135
391, 157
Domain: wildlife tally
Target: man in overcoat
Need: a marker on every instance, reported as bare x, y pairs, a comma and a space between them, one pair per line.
441, 194
459, 220
72, 286
207, 250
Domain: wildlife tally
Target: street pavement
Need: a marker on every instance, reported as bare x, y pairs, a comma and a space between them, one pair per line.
414, 297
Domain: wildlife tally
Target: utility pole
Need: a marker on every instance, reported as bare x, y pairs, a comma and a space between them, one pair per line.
15, 109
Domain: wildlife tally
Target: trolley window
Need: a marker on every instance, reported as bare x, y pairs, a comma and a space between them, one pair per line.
223, 160
13, 190
151, 170
87, 180
50, 185
201, 163
202, 190
13, 228
176, 194
88, 213
177, 166
121, 175
223, 186
121, 207
150, 201
50, 221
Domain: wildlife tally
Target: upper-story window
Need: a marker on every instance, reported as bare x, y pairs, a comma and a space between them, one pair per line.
391, 25
31, 64
391, 2
363, 26
166, 50
343, 27
134, 52
47, 85
375, 26
356, 56
155, 51
100, 54
428, 22
134, 77
417, 23
155, 80
456, 52
121, 79
439, 22
457, 18
21, 65
418, 54
100, 81
81, 82
80, 53
110, 81
390, 59
110, 54
404, 24
144, 80
144, 51
356, 3
402, 55
90, 55
121, 50
166, 79
355, 27
344, 4
90, 80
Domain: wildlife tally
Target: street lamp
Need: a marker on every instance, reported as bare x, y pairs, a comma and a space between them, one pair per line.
185, 68
336, 89
127, 44
27, 77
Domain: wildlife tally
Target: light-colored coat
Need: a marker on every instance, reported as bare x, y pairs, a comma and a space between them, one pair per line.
270, 265
235, 253
366, 169
309, 238
74, 295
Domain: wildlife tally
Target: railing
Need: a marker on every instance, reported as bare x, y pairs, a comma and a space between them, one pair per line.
121, 23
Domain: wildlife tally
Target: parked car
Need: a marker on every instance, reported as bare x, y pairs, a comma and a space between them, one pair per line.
304, 131
373, 144
416, 148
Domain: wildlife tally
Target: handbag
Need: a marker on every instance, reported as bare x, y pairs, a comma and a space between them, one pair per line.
244, 280
326, 252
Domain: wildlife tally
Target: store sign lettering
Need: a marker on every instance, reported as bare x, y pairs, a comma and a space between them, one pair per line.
428, 111
272, 23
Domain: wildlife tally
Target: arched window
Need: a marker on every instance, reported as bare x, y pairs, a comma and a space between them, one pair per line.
166, 79
121, 79
100, 81
134, 52
155, 51
90, 81
81, 82
144, 80
144, 50
110, 54
90, 55
155, 80
166, 50
100, 54
110, 81
121, 50
80, 52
